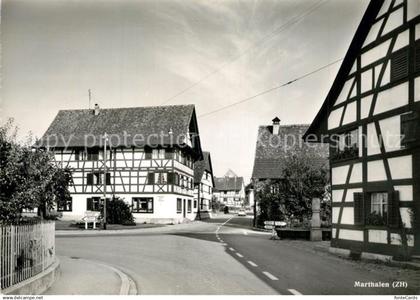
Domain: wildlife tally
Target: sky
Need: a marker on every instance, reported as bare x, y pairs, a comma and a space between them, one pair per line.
142, 53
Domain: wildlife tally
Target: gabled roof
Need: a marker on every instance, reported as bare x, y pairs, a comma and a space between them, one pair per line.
133, 126
228, 183
201, 166
319, 124
272, 149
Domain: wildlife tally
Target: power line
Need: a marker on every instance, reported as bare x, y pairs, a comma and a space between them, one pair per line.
270, 89
280, 29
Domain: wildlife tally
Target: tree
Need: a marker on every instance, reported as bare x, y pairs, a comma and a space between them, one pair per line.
28, 178
305, 176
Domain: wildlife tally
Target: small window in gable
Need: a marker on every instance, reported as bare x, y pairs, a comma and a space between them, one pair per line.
399, 65
345, 146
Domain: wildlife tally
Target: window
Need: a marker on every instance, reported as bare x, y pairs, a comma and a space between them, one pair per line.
147, 153
377, 209
161, 178
189, 206
161, 153
169, 153
96, 178
142, 205
92, 154
66, 205
274, 188
195, 203
94, 204
345, 145
378, 212
158, 154
179, 205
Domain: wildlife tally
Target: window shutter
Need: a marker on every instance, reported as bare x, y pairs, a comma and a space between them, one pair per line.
89, 204
168, 153
394, 209
108, 178
410, 124
417, 57
148, 153
151, 178
399, 65
359, 208
171, 178
89, 179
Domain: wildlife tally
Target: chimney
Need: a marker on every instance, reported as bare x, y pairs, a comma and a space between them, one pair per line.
96, 109
276, 126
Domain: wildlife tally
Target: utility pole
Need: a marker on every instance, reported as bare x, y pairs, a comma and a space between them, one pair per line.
105, 171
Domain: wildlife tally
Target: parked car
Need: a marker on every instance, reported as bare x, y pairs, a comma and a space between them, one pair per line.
242, 213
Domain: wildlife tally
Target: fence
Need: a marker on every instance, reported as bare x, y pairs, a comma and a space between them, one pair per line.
26, 250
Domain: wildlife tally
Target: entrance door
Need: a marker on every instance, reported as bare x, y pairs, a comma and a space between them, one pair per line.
184, 209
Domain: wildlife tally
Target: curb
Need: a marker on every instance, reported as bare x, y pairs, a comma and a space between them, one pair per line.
37, 284
128, 287
375, 258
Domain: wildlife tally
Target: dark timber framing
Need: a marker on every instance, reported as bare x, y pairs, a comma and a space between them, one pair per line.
319, 127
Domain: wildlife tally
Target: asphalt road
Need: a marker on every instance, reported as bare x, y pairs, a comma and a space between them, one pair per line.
221, 256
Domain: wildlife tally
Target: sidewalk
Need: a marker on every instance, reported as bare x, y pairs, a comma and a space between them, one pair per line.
85, 277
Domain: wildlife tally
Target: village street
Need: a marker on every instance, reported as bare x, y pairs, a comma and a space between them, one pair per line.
221, 256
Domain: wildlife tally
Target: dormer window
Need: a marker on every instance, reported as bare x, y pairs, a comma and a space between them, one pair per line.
345, 145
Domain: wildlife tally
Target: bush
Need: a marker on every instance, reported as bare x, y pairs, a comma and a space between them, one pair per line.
53, 215
118, 212
226, 209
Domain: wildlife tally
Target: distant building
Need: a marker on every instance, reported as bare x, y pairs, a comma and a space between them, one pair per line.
150, 159
203, 185
371, 118
274, 143
230, 190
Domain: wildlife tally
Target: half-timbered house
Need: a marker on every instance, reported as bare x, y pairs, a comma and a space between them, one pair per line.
203, 185
149, 161
230, 190
370, 118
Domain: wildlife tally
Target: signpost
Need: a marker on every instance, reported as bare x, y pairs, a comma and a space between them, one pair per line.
91, 217
272, 225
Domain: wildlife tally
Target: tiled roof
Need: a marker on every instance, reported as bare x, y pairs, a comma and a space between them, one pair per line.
228, 183
82, 128
271, 150
201, 166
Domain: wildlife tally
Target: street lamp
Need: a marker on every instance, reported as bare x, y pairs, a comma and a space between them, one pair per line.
104, 178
